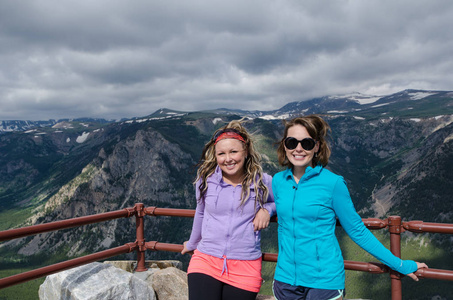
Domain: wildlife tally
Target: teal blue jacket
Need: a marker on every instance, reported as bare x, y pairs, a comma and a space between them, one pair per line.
308, 251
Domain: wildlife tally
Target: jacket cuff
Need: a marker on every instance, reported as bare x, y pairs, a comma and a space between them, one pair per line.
408, 266
269, 209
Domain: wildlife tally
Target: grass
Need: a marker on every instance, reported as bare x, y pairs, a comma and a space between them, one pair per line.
378, 287
24, 291
12, 217
268, 269
12, 263
268, 245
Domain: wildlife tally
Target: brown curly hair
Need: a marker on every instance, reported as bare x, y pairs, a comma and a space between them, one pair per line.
318, 129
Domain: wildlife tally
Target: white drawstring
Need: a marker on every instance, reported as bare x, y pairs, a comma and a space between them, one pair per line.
225, 268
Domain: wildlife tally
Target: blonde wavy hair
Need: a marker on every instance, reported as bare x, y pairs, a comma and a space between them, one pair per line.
252, 166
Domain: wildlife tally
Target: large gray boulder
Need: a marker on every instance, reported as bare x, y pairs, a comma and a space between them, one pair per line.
165, 276
95, 281
169, 283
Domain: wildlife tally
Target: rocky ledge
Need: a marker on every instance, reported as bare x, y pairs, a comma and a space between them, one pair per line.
117, 280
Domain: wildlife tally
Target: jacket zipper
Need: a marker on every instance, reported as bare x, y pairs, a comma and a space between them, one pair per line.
230, 224
294, 236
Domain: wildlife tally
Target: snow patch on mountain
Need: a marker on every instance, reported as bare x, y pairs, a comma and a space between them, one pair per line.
448, 138
379, 105
337, 112
272, 117
445, 122
82, 138
420, 95
358, 97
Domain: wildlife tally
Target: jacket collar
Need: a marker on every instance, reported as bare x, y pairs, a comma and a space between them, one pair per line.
217, 178
309, 172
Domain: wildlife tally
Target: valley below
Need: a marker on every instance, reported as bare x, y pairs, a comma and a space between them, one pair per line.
396, 156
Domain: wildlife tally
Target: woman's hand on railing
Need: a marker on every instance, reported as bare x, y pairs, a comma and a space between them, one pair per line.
419, 266
185, 250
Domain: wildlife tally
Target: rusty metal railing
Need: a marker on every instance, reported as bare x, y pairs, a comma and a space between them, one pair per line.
393, 223
55, 268
70, 223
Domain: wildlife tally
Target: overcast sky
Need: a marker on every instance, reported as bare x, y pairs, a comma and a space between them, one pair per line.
112, 59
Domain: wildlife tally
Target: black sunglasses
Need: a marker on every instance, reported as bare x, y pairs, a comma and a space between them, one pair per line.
307, 143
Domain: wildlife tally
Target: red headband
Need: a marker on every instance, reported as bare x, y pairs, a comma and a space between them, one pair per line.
229, 135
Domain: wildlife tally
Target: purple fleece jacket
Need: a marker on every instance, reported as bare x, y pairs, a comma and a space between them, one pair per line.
221, 226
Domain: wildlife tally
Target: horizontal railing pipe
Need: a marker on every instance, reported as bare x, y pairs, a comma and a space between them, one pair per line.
420, 226
41, 272
435, 274
157, 246
375, 268
373, 223
272, 257
370, 267
57, 225
169, 212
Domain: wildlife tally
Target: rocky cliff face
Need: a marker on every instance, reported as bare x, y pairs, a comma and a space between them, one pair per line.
144, 168
391, 163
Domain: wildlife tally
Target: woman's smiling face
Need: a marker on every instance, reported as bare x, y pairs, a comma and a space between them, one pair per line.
230, 155
299, 157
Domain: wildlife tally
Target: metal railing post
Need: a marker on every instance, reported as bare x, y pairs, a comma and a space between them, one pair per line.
395, 226
140, 227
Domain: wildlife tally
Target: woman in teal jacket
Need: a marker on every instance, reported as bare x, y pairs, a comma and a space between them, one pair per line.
308, 199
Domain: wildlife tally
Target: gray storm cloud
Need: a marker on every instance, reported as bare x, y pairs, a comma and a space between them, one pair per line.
114, 59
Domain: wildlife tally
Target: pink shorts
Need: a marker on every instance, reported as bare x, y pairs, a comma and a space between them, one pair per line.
243, 274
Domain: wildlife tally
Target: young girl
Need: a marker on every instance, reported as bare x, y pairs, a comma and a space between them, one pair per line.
234, 202
309, 198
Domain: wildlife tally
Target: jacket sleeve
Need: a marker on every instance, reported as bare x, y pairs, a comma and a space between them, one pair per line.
270, 204
354, 227
195, 236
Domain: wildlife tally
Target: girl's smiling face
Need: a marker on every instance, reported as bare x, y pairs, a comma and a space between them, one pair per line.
299, 157
230, 155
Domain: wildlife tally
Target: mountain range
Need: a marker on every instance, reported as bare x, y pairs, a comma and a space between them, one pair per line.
394, 151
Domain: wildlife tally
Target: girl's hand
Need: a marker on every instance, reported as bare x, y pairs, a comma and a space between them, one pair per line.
419, 266
185, 250
262, 219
